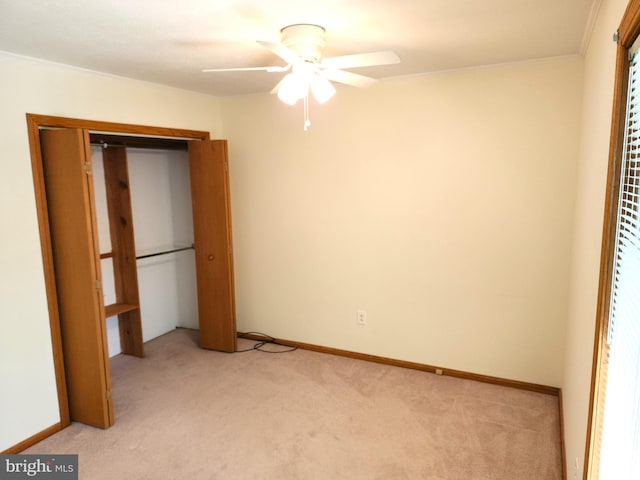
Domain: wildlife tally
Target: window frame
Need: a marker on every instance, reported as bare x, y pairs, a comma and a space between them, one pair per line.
627, 33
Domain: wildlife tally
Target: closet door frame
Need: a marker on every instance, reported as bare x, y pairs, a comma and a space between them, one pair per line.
35, 123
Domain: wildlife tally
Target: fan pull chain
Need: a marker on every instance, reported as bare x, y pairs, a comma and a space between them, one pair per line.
307, 123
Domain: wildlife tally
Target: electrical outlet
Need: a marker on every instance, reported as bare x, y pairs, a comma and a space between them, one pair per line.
361, 318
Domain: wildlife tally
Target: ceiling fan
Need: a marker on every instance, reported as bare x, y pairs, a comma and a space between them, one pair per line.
301, 48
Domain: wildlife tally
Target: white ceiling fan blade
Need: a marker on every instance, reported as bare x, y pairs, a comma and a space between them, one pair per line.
349, 78
281, 50
249, 69
361, 60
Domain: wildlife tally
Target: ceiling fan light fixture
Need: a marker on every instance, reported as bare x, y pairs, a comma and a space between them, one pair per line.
294, 87
322, 89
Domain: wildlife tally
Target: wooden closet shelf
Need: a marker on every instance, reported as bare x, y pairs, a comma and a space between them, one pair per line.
118, 308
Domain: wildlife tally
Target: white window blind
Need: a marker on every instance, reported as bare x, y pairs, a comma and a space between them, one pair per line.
620, 448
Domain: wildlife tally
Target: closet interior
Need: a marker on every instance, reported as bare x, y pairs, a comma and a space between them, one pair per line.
162, 241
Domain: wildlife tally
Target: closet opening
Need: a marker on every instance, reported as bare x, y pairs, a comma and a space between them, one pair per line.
161, 218
135, 231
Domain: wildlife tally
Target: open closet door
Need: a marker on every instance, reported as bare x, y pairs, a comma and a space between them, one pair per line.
212, 240
69, 189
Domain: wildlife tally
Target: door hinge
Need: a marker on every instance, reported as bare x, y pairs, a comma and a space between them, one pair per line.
87, 168
98, 285
107, 394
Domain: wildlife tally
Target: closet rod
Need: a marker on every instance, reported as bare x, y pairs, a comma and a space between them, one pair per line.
166, 252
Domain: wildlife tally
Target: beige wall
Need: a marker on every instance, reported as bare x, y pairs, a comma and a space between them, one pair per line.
442, 205
28, 403
590, 190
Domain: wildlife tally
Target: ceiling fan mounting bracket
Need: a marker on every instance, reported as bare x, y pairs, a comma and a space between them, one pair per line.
306, 40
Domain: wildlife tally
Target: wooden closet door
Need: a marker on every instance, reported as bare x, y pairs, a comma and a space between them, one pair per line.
66, 158
212, 240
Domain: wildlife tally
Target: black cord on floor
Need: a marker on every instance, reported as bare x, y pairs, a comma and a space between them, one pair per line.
261, 343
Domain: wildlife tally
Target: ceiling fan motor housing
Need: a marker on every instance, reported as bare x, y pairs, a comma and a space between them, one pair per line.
304, 39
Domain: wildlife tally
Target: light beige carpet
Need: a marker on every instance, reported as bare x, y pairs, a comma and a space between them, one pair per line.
187, 413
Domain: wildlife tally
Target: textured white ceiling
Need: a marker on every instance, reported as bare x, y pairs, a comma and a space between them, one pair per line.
170, 41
